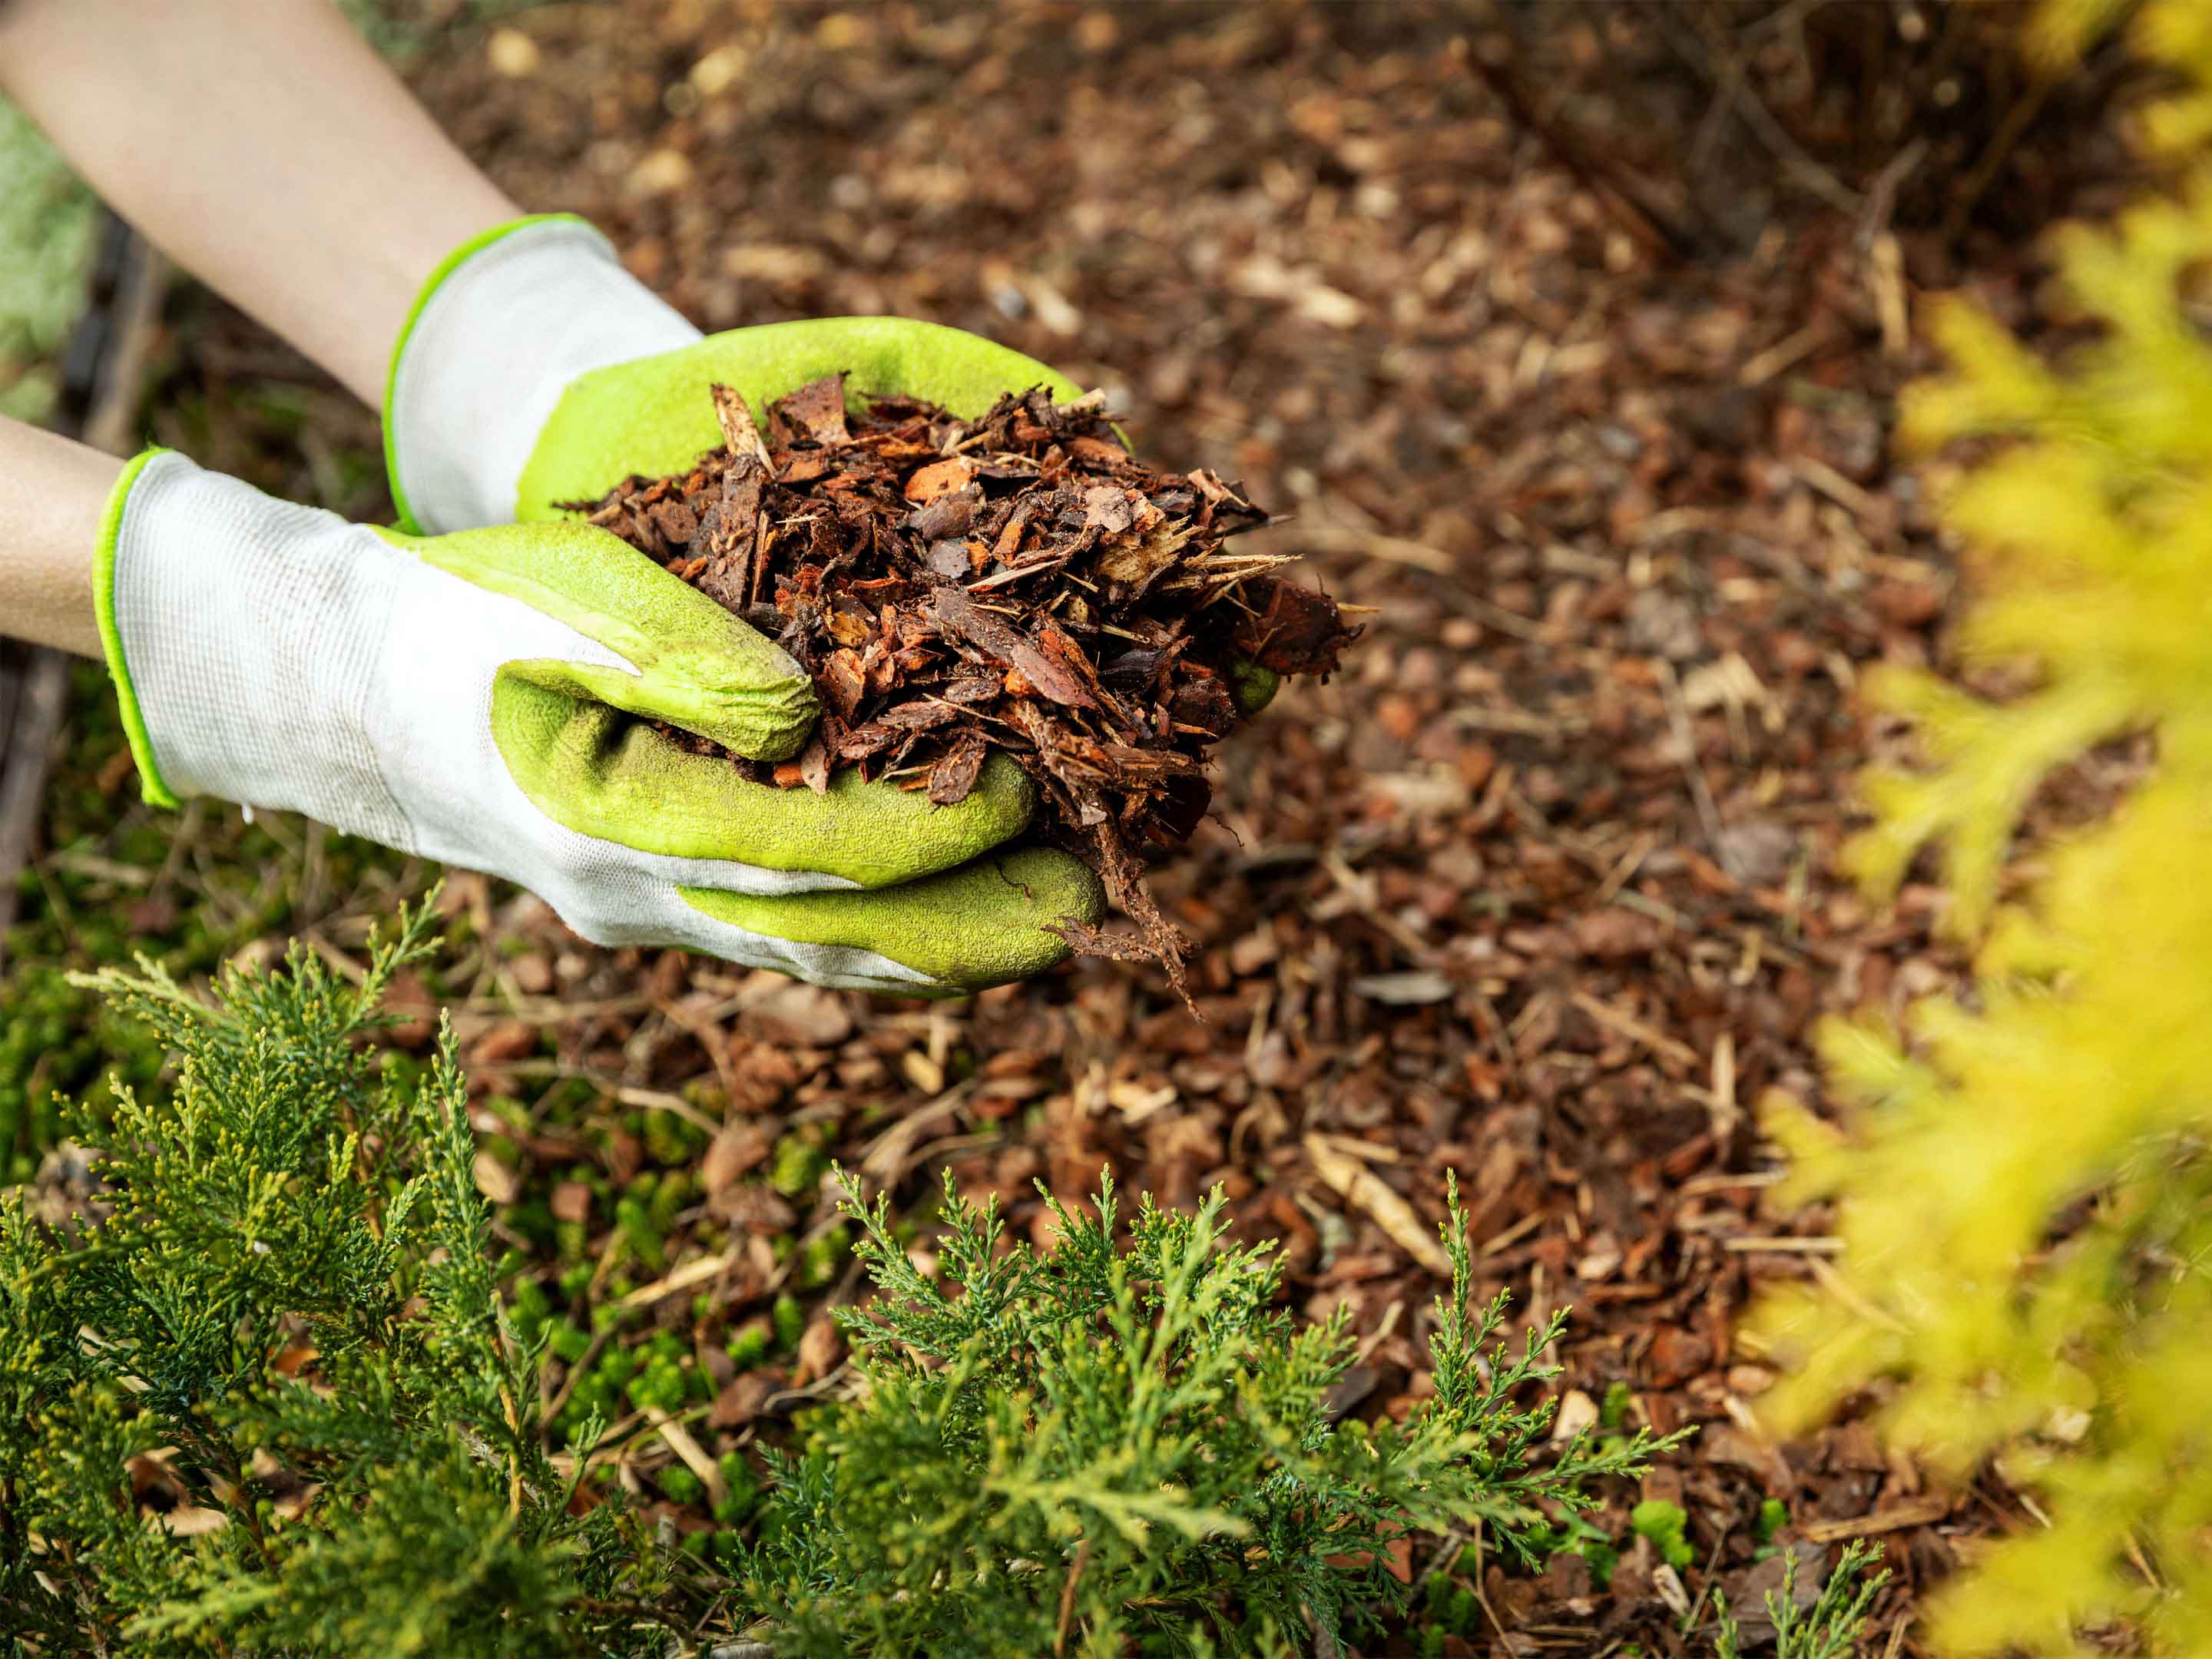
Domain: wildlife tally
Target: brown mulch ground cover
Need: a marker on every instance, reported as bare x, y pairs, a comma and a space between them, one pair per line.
1540, 889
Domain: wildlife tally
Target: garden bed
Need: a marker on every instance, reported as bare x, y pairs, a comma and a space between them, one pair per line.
1540, 889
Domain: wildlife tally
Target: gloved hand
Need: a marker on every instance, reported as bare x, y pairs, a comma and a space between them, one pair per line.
486, 698
535, 369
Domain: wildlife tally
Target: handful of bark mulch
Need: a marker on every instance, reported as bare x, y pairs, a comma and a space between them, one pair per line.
1017, 582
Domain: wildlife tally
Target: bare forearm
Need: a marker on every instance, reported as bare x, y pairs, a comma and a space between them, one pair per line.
266, 147
52, 493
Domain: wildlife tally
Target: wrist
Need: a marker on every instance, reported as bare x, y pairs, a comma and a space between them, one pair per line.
54, 492
499, 332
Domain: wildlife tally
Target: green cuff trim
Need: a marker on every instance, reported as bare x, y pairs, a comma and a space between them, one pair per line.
151, 784
447, 267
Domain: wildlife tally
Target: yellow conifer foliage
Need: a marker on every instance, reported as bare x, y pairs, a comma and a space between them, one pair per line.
2025, 1194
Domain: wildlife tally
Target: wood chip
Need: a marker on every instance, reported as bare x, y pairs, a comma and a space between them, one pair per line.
819, 409
693, 1453
1914, 1512
697, 1271
1360, 1187
736, 419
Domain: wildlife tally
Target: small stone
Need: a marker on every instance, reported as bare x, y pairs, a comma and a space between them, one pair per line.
1577, 1412
718, 70
925, 1073
1758, 851
1408, 989
662, 172
513, 54
1664, 623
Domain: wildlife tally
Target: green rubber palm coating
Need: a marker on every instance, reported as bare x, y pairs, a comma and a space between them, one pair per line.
984, 924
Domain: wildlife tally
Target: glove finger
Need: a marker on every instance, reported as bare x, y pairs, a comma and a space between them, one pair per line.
697, 667
653, 416
602, 773
986, 923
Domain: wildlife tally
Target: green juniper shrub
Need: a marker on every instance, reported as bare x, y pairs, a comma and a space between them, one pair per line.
287, 1303
283, 1315
81, 908
1100, 1449
1831, 1628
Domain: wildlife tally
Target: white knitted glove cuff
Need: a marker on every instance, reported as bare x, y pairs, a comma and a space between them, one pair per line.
496, 339
252, 630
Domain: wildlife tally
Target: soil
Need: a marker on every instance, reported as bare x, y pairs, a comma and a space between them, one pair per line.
1542, 889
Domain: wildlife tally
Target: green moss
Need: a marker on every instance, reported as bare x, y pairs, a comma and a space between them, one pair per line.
531, 1302
790, 1320
823, 1257
674, 1192
749, 1347
1773, 1516
798, 1164
1666, 1526
674, 1140
641, 1233
1618, 1398
745, 1489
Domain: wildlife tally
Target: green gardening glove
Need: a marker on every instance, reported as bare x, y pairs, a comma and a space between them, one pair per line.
494, 698
534, 369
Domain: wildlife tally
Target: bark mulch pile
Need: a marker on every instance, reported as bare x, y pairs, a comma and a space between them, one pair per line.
1018, 583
